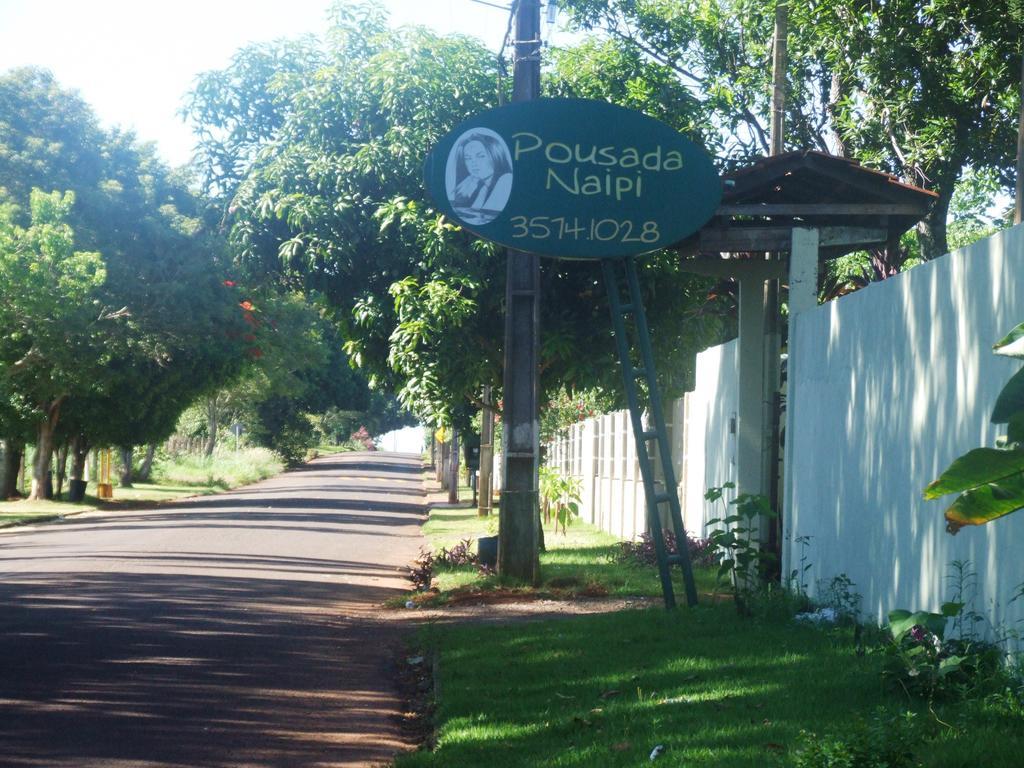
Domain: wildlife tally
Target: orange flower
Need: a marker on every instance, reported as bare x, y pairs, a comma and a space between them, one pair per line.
246, 305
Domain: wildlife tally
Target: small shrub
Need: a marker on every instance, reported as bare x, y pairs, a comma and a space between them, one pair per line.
421, 572
460, 554
362, 438
887, 741
920, 660
743, 561
559, 497
703, 554
840, 594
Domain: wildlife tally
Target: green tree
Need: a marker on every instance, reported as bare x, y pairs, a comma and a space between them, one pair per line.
171, 329
334, 201
926, 90
51, 315
306, 373
923, 90
296, 369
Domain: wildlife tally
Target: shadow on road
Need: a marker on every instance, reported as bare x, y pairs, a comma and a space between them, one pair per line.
98, 668
226, 631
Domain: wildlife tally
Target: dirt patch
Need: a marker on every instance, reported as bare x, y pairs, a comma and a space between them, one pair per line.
514, 609
415, 678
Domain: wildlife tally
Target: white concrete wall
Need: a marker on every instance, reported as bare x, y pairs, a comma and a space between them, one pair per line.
709, 442
601, 452
888, 386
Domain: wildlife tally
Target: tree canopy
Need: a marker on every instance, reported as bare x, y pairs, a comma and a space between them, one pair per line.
921, 90
332, 200
115, 312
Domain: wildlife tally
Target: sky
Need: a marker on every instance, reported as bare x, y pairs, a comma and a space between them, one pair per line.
133, 61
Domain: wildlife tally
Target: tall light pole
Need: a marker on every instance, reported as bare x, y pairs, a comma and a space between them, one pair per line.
519, 521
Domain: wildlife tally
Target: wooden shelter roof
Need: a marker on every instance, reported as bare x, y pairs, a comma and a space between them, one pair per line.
763, 202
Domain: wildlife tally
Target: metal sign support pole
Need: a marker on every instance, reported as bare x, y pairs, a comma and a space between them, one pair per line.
657, 433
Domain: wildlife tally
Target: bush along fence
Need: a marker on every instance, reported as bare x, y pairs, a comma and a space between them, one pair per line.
893, 383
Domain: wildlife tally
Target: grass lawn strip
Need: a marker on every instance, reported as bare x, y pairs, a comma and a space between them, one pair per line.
176, 479
583, 561
714, 689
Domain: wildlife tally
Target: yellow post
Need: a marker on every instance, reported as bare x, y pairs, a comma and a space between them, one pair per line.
104, 488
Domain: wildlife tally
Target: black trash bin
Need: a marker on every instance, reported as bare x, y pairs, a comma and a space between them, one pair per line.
487, 550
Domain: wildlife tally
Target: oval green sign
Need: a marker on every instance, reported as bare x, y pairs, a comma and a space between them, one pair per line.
573, 178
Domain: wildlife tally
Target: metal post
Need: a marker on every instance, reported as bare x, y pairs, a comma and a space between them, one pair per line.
518, 528
803, 296
772, 381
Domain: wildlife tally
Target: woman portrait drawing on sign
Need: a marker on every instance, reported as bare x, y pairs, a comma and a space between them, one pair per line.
481, 183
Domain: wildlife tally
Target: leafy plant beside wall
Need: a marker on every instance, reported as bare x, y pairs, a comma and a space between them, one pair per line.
990, 481
742, 559
560, 497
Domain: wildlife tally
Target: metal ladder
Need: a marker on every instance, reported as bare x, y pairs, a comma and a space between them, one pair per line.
631, 374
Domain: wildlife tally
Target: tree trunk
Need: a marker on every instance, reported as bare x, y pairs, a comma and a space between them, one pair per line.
453, 469
13, 453
442, 470
931, 230
211, 425
61, 470
146, 470
79, 456
486, 455
834, 95
44, 451
126, 452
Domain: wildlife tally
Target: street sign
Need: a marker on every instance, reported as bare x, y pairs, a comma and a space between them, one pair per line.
572, 178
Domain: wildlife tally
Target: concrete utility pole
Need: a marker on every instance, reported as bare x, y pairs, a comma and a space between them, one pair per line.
519, 522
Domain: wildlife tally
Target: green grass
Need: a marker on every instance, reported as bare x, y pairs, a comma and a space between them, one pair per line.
175, 478
227, 469
583, 560
716, 690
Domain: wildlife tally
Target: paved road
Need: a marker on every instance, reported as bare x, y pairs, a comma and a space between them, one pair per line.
234, 630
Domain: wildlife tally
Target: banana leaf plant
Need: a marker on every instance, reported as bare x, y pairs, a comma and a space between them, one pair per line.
990, 481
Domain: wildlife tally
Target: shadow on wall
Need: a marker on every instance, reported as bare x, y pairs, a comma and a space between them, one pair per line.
710, 451
895, 381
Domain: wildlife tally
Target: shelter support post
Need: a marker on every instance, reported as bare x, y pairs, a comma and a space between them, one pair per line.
750, 429
803, 270
803, 295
